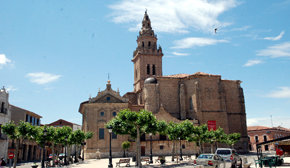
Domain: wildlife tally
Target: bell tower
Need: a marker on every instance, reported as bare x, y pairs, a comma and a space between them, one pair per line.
147, 58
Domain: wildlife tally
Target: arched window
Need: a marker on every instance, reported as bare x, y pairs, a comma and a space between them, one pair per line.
190, 104
153, 70
149, 44
114, 113
148, 69
265, 138
256, 138
142, 43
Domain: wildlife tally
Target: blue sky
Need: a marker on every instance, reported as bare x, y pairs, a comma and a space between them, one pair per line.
55, 54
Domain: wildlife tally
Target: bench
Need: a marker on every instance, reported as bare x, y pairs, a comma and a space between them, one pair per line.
187, 157
145, 159
127, 161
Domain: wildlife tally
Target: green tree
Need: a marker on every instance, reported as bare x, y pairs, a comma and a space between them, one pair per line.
213, 137
134, 124
19, 133
125, 146
232, 139
198, 136
61, 137
88, 135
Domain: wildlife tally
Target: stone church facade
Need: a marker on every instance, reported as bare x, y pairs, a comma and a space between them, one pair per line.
198, 97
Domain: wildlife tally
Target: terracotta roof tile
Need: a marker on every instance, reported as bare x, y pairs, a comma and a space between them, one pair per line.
252, 128
177, 76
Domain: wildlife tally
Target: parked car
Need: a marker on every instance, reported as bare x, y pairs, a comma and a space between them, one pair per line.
210, 160
230, 155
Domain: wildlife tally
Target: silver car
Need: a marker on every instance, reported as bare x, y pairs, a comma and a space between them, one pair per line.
210, 160
230, 155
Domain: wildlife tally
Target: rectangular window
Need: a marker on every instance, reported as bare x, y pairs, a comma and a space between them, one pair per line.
101, 133
114, 136
37, 122
266, 147
27, 117
148, 69
2, 107
153, 70
161, 147
32, 121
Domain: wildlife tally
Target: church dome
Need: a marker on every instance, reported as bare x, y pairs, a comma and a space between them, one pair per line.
150, 80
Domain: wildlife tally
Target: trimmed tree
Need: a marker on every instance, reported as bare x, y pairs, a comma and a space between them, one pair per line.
125, 146
134, 124
232, 139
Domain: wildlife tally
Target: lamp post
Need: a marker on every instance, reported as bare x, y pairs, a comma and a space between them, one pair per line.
151, 160
110, 153
43, 150
180, 149
65, 151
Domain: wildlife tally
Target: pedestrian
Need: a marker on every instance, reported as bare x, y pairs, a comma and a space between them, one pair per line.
2, 163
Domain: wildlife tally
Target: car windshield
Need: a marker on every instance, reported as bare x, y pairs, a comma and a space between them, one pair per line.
205, 157
224, 152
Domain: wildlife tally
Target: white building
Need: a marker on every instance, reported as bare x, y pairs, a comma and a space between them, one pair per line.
5, 117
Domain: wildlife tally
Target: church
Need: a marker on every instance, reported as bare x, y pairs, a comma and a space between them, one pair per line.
198, 97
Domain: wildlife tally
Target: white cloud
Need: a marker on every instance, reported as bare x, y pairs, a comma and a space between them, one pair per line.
279, 50
177, 54
253, 62
244, 28
4, 60
173, 15
42, 77
196, 41
283, 92
263, 121
180, 54
11, 88
275, 38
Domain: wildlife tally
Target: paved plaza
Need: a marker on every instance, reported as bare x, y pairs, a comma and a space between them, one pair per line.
103, 163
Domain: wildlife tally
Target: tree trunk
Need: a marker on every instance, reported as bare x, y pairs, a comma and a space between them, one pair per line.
53, 157
16, 153
68, 153
83, 154
211, 148
138, 158
173, 150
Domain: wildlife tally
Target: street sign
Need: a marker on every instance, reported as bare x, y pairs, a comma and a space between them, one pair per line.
211, 125
11, 155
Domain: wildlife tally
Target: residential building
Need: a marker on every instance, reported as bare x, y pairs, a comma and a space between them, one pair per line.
5, 117
28, 150
258, 134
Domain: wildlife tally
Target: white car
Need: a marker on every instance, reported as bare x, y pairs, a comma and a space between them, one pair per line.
230, 155
209, 160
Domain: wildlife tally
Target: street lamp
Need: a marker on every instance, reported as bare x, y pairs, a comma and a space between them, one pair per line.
65, 161
43, 151
180, 149
110, 156
151, 160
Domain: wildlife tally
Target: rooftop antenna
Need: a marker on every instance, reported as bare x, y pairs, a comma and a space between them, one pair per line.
108, 76
271, 120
